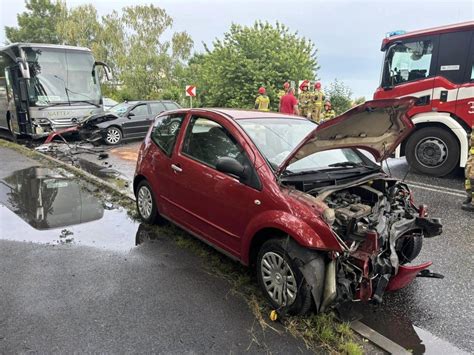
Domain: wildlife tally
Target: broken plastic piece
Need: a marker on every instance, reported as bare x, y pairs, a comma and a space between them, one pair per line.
428, 273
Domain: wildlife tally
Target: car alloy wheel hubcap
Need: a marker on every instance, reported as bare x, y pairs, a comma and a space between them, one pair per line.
145, 202
431, 152
113, 136
174, 127
278, 278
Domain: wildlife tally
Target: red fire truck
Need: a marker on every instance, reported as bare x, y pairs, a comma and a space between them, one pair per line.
437, 66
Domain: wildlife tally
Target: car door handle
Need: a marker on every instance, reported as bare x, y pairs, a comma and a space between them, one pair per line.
176, 168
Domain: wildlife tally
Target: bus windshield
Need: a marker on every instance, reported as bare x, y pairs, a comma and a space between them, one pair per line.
60, 75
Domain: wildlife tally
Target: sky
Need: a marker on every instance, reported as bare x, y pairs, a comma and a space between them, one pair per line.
348, 34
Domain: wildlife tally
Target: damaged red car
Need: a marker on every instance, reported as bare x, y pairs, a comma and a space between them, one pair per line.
306, 205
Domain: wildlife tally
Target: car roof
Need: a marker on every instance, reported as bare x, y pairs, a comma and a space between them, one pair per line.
238, 114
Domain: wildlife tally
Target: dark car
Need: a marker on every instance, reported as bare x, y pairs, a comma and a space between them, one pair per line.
134, 119
320, 221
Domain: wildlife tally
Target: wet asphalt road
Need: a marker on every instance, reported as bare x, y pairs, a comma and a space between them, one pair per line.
101, 292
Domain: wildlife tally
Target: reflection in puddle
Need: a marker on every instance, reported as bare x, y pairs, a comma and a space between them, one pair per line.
46, 199
401, 330
58, 209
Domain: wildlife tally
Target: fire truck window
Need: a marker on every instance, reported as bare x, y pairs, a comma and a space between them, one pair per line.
453, 56
409, 61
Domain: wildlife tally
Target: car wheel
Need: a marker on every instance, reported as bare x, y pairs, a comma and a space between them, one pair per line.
281, 280
146, 205
432, 151
10, 128
113, 135
174, 126
408, 248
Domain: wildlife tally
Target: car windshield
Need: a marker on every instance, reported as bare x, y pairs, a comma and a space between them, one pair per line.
277, 137
62, 76
120, 109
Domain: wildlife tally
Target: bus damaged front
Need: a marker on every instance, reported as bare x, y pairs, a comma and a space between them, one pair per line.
59, 88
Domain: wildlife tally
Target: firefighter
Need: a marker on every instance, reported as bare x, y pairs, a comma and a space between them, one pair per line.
304, 100
286, 86
317, 102
468, 205
328, 112
262, 103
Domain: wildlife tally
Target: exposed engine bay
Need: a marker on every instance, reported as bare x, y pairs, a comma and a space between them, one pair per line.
382, 230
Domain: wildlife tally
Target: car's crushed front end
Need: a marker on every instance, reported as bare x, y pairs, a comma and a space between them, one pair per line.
372, 216
381, 231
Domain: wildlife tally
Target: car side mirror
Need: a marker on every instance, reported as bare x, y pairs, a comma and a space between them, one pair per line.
24, 68
130, 115
232, 166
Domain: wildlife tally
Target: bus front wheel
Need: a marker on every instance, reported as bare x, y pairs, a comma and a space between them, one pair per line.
432, 151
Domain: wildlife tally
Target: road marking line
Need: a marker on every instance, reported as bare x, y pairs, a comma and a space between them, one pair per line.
444, 190
432, 186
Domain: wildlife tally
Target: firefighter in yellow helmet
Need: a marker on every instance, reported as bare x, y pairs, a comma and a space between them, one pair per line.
304, 99
286, 86
328, 112
262, 103
317, 103
468, 205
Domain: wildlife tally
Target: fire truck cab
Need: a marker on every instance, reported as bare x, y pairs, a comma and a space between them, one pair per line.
437, 66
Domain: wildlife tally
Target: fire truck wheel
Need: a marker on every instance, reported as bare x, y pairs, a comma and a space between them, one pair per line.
432, 151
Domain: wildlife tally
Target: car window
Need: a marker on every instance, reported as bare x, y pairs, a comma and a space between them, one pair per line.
140, 110
207, 141
165, 131
157, 107
171, 106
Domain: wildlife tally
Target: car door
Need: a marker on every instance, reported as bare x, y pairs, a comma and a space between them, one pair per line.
161, 176
212, 204
137, 121
156, 108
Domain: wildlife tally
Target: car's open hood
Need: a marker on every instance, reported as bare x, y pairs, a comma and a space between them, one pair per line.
377, 126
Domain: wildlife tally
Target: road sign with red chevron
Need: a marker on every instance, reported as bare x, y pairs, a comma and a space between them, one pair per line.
190, 90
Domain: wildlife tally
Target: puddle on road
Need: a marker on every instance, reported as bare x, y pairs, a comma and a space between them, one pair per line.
96, 169
401, 330
47, 206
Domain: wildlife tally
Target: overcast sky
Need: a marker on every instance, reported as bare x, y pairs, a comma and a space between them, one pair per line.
347, 34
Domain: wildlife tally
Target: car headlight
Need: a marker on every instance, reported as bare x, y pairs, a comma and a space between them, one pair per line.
329, 216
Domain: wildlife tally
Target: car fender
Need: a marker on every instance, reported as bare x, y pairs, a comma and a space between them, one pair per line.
295, 227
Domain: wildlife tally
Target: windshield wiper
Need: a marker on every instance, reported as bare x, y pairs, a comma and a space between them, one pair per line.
87, 102
51, 104
352, 164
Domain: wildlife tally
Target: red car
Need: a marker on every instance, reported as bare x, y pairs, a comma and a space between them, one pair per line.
321, 222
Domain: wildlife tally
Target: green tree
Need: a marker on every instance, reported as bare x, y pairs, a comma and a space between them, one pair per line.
38, 23
246, 58
359, 100
340, 96
131, 42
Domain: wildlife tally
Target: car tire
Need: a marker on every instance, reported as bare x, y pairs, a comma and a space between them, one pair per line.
432, 151
274, 266
146, 205
113, 135
409, 248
